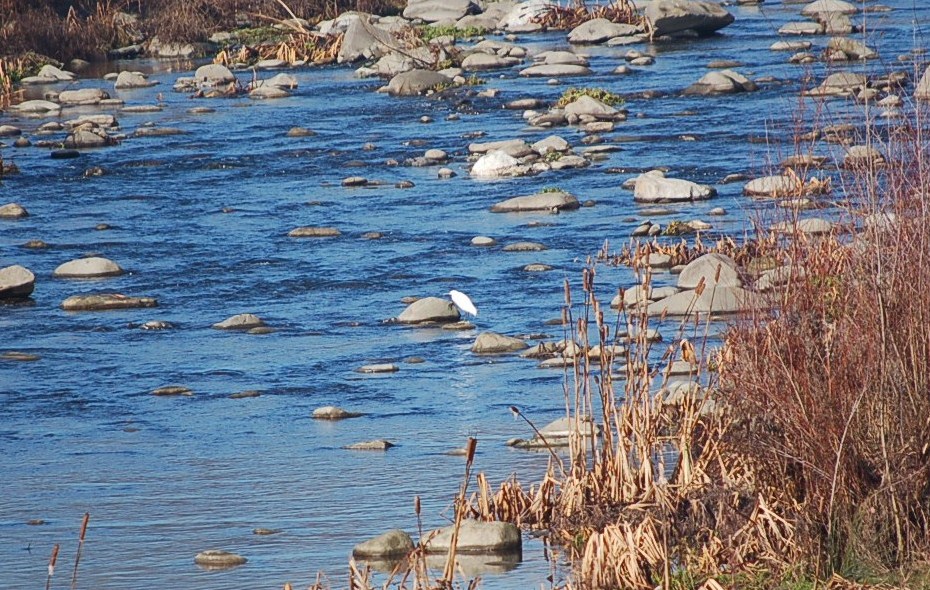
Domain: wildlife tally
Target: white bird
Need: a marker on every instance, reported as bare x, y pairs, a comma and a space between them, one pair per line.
462, 301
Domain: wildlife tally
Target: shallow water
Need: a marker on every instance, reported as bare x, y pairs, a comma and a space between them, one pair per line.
164, 478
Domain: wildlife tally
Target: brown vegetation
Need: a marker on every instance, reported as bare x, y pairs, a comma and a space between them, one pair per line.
570, 16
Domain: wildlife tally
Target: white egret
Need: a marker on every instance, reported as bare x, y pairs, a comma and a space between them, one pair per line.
462, 301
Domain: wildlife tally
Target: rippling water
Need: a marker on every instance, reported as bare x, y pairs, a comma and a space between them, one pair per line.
164, 478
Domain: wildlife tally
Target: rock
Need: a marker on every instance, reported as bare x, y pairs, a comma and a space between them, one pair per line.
333, 413
54, 73
524, 247
545, 201
106, 301
280, 81
858, 156
382, 368
653, 187
922, 91
173, 390
477, 537
215, 558
435, 155
416, 82
94, 266
820, 7
772, 186
556, 71
587, 106
22, 357
706, 268
268, 92
553, 143
512, 147
39, 107
853, 48
481, 62
804, 28
13, 211
809, 226
127, 80
721, 82
363, 39
394, 543
722, 300
314, 232
537, 267
522, 17
497, 164
84, 96
87, 138
445, 173
599, 30
790, 46
214, 75
16, 282
676, 16
242, 321
156, 325
371, 445
840, 83
432, 11
10, 131
429, 309
494, 343
300, 132
353, 181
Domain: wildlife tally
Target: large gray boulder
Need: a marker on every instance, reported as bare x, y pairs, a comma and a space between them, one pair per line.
544, 201
713, 269
922, 92
477, 537
432, 11
721, 82
599, 30
242, 321
416, 82
429, 309
820, 7
479, 62
363, 39
16, 282
87, 138
719, 300
127, 80
587, 106
654, 187
83, 96
213, 75
83, 268
522, 17
494, 343
675, 16
394, 543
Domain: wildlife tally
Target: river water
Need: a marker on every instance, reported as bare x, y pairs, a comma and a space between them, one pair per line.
165, 478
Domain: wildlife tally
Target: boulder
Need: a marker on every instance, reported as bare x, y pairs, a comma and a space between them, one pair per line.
416, 82
772, 186
87, 138
494, 343
432, 11
218, 559
853, 48
479, 62
477, 537
556, 70
213, 75
721, 82
94, 266
105, 301
268, 92
16, 282
13, 211
394, 543
587, 106
132, 80
497, 164
722, 300
363, 39
37, 107
512, 147
599, 30
544, 201
242, 321
553, 143
429, 309
333, 413
50, 71
922, 91
676, 16
314, 232
83, 96
654, 187
820, 7
371, 445
706, 268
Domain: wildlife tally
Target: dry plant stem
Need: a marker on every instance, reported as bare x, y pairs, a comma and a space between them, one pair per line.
51, 566
558, 460
449, 571
80, 549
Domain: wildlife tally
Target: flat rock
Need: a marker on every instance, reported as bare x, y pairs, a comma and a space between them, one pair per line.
16, 282
268, 92
83, 96
820, 7
512, 147
483, 241
676, 16
173, 390
654, 187
494, 343
379, 368
314, 232
127, 80
556, 71
39, 107
714, 269
394, 543
721, 82
599, 30
333, 413
722, 300
242, 321
213, 75
588, 106
216, 558
545, 201
432, 11
771, 186
416, 82
106, 301
477, 537
94, 266
429, 309
371, 445
524, 247
481, 62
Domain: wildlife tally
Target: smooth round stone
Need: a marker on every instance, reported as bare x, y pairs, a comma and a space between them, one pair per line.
717, 211
445, 173
259, 330
216, 558
13, 211
22, 142
381, 368
483, 241
94, 266
436, 155
414, 360
242, 321
173, 390
354, 181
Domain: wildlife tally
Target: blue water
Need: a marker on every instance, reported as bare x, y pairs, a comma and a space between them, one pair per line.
164, 478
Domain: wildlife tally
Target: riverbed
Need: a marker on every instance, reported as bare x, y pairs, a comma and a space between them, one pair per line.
199, 220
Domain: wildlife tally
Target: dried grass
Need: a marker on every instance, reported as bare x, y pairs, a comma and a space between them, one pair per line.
578, 12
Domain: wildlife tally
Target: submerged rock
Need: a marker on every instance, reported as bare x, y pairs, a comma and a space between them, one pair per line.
218, 559
371, 445
333, 413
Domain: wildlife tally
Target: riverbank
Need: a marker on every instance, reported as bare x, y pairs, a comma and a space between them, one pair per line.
299, 194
